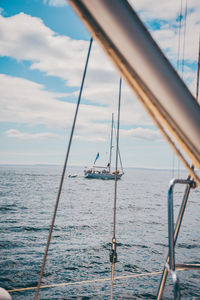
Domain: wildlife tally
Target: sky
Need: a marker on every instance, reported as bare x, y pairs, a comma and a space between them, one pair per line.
43, 49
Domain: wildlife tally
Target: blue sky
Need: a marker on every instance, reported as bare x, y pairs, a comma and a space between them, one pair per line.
43, 47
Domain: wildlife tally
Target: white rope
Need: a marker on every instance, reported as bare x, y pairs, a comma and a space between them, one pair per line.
85, 281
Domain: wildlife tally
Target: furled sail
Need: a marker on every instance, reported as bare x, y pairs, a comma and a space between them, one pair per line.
141, 62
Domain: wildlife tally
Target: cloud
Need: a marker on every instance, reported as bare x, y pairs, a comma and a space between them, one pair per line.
27, 102
24, 101
13, 133
141, 133
90, 138
162, 10
56, 2
24, 37
59, 56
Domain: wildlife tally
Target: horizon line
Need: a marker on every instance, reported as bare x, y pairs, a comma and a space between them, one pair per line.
84, 166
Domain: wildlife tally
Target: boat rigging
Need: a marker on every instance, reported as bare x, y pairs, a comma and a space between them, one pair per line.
105, 173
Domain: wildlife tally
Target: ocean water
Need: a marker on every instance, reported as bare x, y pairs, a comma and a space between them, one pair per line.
82, 234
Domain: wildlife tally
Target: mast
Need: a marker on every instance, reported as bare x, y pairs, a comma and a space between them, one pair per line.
111, 139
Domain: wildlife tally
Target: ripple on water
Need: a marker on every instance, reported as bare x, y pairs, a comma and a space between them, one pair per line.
82, 235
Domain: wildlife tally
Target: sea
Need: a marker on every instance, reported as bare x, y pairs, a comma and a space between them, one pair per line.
81, 241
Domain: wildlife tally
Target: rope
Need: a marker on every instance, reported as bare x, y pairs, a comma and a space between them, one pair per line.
62, 177
113, 253
85, 282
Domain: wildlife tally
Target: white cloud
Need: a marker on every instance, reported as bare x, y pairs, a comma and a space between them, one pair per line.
58, 56
62, 57
13, 133
56, 2
27, 102
90, 138
24, 37
141, 133
162, 10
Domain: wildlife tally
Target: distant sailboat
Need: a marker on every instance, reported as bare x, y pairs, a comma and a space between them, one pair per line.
105, 173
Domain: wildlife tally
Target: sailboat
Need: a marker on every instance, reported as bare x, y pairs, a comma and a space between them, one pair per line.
105, 173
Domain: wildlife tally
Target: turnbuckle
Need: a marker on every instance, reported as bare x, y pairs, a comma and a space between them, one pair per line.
113, 253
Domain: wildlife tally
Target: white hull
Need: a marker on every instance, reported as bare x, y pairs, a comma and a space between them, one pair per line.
72, 176
104, 176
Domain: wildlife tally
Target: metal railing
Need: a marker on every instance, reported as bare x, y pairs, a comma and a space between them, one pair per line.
170, 265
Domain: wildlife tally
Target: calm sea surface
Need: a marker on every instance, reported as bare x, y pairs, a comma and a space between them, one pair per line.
82, 235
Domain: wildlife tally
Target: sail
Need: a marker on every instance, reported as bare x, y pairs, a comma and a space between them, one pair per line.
148, 72
96, 158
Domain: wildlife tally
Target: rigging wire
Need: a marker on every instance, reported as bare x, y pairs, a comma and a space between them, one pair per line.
198, 70
179, 36
177, 67
111, 142
183, 57
62, 177
113, 253
197, 87
184, 35
120, 158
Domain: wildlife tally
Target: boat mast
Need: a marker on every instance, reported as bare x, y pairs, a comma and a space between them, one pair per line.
111, 146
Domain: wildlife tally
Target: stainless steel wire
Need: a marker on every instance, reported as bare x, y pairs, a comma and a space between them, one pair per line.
62, 177
115, 197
